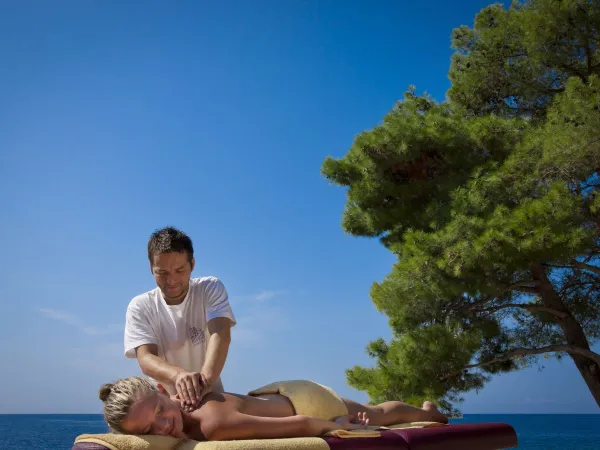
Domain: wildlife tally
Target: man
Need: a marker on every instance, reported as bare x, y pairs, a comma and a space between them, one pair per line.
180, 331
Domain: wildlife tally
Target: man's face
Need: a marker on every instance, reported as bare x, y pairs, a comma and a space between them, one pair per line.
172, 273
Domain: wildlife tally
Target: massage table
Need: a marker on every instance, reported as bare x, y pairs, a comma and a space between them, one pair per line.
480, 436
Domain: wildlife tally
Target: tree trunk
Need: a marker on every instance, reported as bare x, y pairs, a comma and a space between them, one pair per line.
572, 330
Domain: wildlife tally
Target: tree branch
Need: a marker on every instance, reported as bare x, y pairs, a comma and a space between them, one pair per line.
584, 266
557, 266
525, 286
526, 289
522, 286
529, 307
573, 70
569, 286
588, 54
571, 349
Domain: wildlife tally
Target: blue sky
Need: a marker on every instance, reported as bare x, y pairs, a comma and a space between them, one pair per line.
117, 118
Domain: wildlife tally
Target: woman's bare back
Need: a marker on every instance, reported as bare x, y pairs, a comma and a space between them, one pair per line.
268, 405
222, 405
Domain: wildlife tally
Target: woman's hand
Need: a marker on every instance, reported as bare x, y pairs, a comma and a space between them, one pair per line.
349, 422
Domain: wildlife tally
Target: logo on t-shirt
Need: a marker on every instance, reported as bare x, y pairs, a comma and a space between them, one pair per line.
197, 336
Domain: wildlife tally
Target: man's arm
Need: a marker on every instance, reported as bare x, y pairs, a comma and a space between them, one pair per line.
187, 384
155, 367
219, 329
220, 319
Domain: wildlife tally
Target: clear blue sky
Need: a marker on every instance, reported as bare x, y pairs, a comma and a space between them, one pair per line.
120, 117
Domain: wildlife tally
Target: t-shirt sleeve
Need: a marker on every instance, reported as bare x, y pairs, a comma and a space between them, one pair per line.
217, 301
138, 330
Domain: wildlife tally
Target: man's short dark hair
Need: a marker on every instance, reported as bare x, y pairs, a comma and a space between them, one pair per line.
169, 239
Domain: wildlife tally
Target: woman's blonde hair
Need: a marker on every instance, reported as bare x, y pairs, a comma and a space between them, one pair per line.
119, 396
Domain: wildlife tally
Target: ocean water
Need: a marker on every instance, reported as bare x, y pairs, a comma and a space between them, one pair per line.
544, 431
548, 431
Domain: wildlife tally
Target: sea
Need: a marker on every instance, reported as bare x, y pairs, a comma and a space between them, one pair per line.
541, 431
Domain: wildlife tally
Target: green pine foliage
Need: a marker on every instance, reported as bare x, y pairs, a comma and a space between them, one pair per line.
490, 201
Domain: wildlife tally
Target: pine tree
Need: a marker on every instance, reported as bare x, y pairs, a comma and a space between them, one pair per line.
490, 201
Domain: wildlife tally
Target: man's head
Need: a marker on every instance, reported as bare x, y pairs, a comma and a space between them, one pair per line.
171, 256
134, 406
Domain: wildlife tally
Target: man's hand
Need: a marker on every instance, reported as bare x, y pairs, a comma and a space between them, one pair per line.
176, 399
190, 387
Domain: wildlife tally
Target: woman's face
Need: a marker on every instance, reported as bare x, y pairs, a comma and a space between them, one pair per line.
154, 413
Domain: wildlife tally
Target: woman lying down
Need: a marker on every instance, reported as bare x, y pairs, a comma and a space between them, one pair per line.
134, 406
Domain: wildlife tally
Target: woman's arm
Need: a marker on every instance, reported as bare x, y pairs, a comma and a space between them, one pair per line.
243, 426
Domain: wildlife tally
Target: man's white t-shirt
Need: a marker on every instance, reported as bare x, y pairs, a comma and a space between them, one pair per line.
180, 331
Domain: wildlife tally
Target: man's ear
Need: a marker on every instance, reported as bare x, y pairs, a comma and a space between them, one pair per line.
192, 263
162, 389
